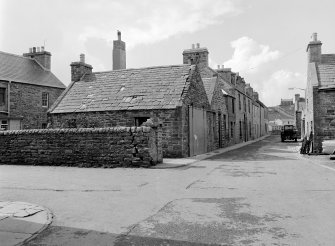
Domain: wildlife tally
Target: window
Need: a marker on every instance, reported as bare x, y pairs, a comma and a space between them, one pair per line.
233, 105
2, 96
45, 99
249, 106
239, 101
44, 125
3, 125
244, 104
72, 123
140, 120
232, 129
250, 129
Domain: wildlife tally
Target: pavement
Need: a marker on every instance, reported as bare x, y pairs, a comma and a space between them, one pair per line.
182, 162
20, 222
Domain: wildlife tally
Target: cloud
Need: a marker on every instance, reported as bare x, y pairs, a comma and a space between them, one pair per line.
146, 22
277, 87
249, 56
68, 28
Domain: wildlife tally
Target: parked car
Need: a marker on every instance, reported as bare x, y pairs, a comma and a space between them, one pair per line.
288, 132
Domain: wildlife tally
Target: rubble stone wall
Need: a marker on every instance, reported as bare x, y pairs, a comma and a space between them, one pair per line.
83, 147
169, 118
324, 116
26, 103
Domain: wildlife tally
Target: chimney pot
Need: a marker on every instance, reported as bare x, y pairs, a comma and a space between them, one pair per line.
222, 66
315, 36
82, 58
38, 49
42, 48
218, 66
34, 49
30, 50
118, 35
193, 46
198, 45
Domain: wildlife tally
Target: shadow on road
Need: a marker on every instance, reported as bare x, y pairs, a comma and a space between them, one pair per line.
68, 236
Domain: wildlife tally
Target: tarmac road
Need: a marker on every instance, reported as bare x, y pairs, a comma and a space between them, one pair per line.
262, 194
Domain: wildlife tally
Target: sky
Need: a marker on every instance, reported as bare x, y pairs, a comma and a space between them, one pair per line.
264, 40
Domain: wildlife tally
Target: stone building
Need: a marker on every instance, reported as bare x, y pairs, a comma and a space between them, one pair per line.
240, 99
319, 114
27, 89
195, 104
172, 95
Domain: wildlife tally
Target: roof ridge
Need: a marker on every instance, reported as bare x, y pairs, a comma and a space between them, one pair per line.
20, 56
152, 67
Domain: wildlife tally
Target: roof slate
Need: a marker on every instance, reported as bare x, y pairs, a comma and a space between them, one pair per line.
127, 89
326, 74
328, 58
25, 70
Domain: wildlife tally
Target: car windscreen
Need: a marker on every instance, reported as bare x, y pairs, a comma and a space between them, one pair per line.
288, 127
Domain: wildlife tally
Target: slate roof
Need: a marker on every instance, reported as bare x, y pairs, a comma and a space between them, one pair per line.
326, 70
277, 112
328, 58
26, 70
127, 89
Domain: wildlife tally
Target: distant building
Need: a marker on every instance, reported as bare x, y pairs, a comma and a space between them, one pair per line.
27, 89
280, 115
286, 102
319, 114
299, 107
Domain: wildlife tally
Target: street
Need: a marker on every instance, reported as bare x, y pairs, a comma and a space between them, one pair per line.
265, 193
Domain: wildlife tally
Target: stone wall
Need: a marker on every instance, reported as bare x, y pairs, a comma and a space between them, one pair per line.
83, 147
26, 102
170, 119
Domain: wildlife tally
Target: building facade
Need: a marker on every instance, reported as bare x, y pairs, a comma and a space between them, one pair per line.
195, 104
27, 89
319, 113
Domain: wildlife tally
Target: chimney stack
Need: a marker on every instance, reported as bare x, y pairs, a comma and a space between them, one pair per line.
79, 69
119, 53
196, 55
314, 49
40, 55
